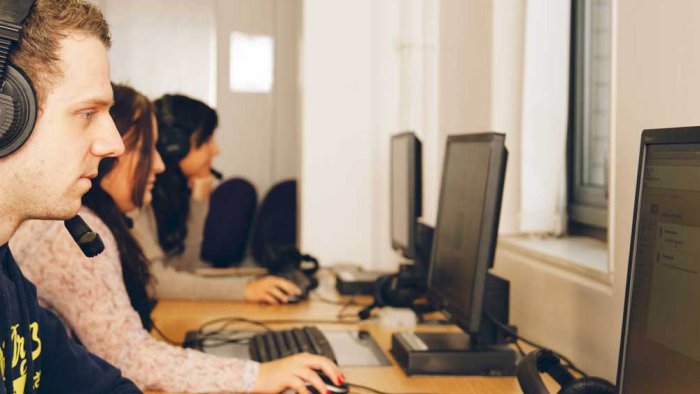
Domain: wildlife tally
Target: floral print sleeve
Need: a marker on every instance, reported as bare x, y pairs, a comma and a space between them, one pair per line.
89, 295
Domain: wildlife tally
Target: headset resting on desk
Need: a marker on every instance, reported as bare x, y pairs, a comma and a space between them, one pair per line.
544, 361
19, 107
388, 291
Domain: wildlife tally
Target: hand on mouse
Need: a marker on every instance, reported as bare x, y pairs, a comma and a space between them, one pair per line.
271, 290
294, 371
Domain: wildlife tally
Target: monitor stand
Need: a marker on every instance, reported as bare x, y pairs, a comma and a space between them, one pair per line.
450, 354
486, 353
353, 280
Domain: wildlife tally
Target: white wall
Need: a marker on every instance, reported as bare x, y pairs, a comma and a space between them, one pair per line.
508, 31
341, 124
349, 109
372, 69
164, 46
259, 131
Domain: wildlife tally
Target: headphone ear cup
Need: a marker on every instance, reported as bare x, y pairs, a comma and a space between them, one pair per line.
381, 289
391, 293
18, 110
173, 142
588, 385
528, 374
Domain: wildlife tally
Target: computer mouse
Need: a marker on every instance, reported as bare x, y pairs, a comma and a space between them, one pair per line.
333, 387
295, 298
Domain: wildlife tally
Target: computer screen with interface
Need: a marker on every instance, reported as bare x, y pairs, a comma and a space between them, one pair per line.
405, 192
660, 350
467, 225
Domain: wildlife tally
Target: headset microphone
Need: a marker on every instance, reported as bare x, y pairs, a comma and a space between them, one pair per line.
365, 313
218, 175
89, 241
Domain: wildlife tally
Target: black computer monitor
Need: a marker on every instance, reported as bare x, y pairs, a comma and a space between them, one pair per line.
406, 192
660, 347
467, 225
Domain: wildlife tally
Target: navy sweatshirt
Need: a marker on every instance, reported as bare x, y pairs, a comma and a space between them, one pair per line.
37, 355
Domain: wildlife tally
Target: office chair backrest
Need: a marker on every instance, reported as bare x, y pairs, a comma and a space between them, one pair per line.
274, 243
231, 211
275, 230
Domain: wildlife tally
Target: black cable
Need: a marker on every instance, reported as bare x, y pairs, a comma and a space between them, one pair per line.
222, 335
315, 297
229, 321
203, 333
348, 304
520, 348
367, 388
512, 333
222, 341
165, 337
311, 321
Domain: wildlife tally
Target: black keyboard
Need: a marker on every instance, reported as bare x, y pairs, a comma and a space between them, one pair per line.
271, 345
305, 282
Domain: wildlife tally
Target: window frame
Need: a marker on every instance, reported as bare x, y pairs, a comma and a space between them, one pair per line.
588, 204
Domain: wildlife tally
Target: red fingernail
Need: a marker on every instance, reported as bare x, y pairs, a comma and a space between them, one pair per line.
328, 392
340, 380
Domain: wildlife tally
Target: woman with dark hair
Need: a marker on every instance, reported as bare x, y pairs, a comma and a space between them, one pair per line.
170, 230
104, 300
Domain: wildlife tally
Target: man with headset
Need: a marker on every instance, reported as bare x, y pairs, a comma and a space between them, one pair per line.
50, 147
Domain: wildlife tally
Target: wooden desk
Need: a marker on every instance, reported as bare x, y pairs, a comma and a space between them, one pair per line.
174, 318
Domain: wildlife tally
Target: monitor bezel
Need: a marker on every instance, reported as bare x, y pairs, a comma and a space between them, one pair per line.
664, 136
489, 232
415, 193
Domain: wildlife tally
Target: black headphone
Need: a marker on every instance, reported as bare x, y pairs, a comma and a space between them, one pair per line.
18, 104
18, 108
173, 141
388, 291
544, 361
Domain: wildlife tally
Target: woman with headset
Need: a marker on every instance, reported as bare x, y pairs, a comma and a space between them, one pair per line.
170, 229
105, 300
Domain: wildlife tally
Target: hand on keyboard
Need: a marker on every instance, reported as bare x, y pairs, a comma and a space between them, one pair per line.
271, 290
271, 345
295, 372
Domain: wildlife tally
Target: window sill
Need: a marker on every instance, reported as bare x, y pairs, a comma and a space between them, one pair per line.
583, 256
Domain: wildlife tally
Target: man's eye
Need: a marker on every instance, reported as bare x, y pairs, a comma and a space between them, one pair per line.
87, 114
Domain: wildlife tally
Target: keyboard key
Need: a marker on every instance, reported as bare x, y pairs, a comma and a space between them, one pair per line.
268, 346
271, 347
258, 350
291, 341
302, 340
281, 344
320, 343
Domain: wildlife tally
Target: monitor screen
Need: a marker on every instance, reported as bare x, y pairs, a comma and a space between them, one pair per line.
405, 192
467, 225
660, 348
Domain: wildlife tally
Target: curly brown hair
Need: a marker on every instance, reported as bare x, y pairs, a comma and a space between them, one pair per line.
49, 22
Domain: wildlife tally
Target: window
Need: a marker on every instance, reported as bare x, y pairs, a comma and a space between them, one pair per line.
589, 116
252, 63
